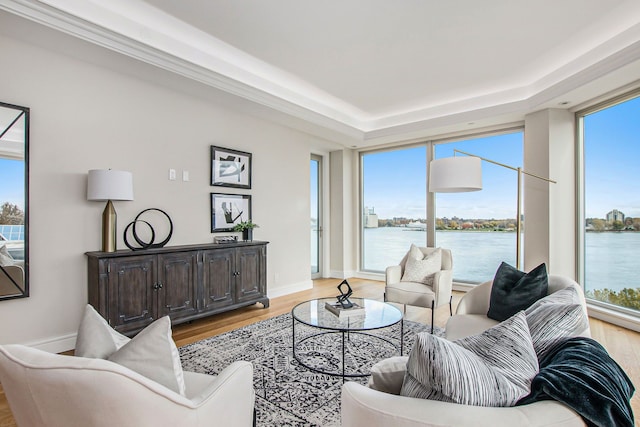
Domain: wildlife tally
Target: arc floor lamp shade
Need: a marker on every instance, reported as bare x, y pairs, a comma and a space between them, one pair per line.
109, 185
455, 175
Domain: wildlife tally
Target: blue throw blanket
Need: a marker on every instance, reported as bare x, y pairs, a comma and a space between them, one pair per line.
581, 374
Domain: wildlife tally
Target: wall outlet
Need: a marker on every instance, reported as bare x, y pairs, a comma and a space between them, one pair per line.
172, 174
185, 175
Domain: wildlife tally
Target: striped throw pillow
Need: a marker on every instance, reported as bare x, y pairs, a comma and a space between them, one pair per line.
494, 368
555, 318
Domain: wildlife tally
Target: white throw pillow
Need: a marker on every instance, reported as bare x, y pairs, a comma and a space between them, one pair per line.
494, 368
415, 252
151, 353
154, 354
422, 270
96, 339
388, 374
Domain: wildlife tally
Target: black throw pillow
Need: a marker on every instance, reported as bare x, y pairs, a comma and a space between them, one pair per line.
514, 290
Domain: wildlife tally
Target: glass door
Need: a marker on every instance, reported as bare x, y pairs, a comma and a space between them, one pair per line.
316, 216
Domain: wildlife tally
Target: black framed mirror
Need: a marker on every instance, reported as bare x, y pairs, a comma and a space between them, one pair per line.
14, 197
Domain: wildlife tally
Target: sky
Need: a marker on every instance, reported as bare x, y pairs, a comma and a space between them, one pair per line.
395, 181
612, 160
12, 182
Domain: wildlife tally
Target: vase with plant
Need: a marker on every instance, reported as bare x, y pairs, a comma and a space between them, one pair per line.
246, 227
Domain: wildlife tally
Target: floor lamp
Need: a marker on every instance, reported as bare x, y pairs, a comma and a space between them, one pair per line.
464, 174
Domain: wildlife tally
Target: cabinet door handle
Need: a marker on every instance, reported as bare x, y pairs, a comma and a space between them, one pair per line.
157, 286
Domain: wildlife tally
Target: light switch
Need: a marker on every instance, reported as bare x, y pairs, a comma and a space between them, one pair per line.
172, 174
185, 175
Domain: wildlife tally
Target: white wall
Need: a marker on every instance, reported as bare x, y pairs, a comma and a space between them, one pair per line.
84, 117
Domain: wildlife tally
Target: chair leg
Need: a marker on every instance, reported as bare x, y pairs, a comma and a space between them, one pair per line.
405, 309
433, 303
450, 306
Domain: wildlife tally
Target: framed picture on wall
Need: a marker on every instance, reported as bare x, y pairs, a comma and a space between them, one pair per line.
227, 210
230, 168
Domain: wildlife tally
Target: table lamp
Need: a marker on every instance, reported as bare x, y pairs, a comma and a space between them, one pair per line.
109, 185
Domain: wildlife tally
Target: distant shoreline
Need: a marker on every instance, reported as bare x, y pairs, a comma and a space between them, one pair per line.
480, 230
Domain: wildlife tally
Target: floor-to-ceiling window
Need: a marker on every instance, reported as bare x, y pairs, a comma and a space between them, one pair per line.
394, 205
480, 227
610, 143
316, 215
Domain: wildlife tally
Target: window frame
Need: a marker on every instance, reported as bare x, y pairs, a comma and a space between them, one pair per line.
580, 115
430, 213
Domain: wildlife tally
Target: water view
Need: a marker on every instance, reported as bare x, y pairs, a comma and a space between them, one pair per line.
610, 256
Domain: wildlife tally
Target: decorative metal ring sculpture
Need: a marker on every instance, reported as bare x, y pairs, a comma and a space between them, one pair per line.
150, 244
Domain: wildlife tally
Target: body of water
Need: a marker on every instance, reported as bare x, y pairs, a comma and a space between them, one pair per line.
610, 257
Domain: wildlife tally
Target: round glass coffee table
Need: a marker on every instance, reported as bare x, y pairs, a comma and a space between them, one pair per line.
345, 346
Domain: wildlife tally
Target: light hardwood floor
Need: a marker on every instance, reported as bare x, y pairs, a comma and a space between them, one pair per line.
622, 344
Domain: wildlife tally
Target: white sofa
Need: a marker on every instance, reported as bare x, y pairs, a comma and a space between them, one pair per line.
45, 389
365, 406
471, 313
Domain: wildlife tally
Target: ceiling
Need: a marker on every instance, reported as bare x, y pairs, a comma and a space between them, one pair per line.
370, 72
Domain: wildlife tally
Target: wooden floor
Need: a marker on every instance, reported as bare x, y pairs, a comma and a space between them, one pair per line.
622, 344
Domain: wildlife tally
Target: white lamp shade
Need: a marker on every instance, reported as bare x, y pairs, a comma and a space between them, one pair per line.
455, 175
108, 184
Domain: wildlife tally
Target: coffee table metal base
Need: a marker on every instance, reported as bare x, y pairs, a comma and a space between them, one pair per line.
344, 353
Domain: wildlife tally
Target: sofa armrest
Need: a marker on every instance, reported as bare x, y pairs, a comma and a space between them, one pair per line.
228, 397
362, 406
476, 301
393, 274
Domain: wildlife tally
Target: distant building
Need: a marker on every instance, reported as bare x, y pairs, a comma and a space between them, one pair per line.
370, 218
615, 215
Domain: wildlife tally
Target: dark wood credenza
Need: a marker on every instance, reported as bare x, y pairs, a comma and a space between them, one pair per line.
131, 289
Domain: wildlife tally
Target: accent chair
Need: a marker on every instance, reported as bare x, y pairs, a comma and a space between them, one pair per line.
46, 389
433, 294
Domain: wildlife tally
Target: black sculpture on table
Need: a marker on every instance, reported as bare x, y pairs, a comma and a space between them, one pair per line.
343, 298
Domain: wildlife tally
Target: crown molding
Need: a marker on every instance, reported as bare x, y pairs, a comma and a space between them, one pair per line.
187, 52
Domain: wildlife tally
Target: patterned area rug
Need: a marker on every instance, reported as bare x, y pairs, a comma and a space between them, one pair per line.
287, 393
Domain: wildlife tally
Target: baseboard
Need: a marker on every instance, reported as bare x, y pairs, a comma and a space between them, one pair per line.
334, 274
290, 289
370, 276
55, 345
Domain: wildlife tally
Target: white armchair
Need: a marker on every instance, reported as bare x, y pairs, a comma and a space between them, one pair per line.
62, 391
420, 294
11, 280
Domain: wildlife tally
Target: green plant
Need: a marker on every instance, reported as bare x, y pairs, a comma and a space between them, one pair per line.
245, 225
628, 297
